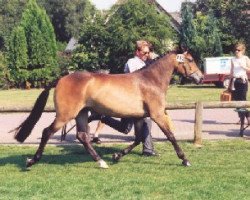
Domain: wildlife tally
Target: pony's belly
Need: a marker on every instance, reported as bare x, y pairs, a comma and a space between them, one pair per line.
119, 109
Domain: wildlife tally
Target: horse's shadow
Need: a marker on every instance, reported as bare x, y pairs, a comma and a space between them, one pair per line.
70, 155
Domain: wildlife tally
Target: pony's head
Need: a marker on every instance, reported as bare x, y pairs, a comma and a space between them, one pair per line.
186, 65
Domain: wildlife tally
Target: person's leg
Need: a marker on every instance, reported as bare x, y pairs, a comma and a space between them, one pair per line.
244, 91
143, 134
123, 125
148, 146
240, 92
96, 138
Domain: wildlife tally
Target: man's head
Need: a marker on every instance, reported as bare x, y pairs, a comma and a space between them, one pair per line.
142, 49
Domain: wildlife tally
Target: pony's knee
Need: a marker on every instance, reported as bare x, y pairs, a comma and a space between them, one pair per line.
169, 123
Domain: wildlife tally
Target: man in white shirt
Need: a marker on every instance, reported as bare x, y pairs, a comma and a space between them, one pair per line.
142, 126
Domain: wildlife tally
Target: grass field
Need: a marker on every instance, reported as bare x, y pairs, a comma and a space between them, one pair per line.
220, 170
186, 93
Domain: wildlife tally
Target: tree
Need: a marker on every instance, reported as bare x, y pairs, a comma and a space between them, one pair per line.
18, 57
10, 15
41, 64
41, 43
188, 31
133, 21
109, 42
67, 16
232, 17
4, 72
200, 34
207, 40
92, 53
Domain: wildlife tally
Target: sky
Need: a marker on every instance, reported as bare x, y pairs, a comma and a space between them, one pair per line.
169, 5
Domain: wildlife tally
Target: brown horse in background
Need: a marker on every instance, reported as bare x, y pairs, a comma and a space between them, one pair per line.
138, 94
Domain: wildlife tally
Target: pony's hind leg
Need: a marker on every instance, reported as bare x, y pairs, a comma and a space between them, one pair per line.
83, 137
47, 133
138, 123
163, 123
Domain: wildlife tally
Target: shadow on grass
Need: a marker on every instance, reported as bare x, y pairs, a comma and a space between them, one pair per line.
70, 154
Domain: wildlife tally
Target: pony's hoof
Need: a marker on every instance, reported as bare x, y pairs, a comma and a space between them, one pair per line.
116, 157
103, 164
29, 162
186, 163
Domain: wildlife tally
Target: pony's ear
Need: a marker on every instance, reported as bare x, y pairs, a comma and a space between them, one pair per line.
180, 49
184, 49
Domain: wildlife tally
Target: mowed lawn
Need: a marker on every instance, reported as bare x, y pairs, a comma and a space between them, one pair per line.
185, 93
220, 170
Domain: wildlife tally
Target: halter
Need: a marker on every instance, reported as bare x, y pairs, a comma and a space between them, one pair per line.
180, 58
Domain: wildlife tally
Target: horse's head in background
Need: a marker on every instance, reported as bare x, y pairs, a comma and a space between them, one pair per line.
186, 65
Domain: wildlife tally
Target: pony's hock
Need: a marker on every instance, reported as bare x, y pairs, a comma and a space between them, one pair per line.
79, 92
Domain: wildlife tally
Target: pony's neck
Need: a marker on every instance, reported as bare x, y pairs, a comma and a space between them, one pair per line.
160, 71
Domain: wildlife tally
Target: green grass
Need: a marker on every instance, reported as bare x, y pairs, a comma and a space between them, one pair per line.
193, 93
16, 97
186, 93
175, 93
220, 170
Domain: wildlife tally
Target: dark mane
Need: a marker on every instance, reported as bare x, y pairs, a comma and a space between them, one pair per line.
151, 62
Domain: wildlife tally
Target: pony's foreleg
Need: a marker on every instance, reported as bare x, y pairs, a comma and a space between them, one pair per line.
170, 123
47, 133
163, 123
83, 137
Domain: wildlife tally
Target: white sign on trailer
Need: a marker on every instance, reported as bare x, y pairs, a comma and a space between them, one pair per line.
217, 65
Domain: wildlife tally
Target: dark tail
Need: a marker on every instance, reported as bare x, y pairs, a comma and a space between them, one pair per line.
24, 130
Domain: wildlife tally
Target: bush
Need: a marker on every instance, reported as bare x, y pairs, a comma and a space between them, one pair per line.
4, 83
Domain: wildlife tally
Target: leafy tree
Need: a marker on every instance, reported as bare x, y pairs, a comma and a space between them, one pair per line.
18, 57
10, 15
200, 34
133, 21
207, 40
92, 53
41, 64
67, 16
232, 17
41, 42
188, 31
4, 72
108, 43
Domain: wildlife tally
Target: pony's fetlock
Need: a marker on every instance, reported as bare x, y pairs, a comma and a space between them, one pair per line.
30, 162
186, 163
116, 157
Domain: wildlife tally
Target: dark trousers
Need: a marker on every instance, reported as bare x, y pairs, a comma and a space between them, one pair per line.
143, 134
240, 92
142, 129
